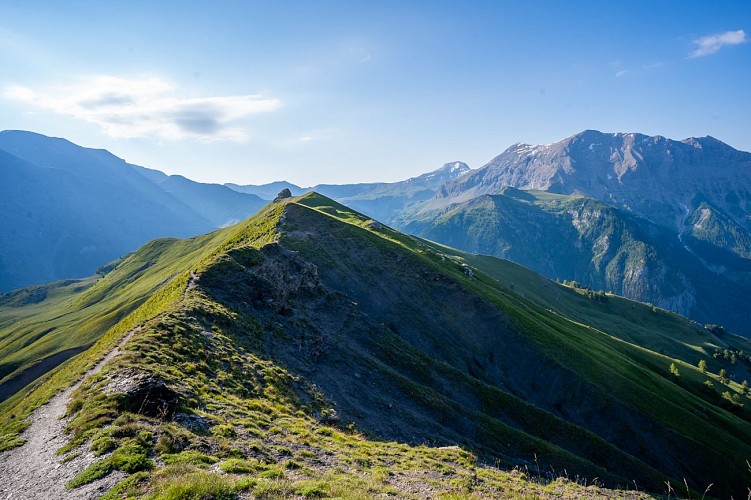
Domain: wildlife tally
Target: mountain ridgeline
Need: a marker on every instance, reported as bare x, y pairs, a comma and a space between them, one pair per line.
656, 220
653, 219
653, 177
380, 200
313, 347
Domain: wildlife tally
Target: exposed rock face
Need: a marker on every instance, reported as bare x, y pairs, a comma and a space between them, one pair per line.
264, 278
283, 194
351, 316
654, 177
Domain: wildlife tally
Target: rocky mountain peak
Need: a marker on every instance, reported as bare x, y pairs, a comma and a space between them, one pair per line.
452, 168
448, 172
652, 176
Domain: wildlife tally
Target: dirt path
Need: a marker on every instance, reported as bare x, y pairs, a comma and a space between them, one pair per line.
33, 471
192, 283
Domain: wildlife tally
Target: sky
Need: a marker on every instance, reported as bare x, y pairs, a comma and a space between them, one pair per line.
339, 92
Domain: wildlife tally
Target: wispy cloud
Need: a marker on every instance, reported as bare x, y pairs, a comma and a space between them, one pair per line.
654, 65
618, 69
317, 135
128, 108
708, 45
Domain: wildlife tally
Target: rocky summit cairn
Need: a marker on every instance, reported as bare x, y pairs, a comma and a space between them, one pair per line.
284, 193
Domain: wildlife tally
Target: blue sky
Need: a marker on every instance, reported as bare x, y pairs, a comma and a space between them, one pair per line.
314, 92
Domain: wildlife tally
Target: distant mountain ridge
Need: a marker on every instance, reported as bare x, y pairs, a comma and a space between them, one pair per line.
696, 193
380, 200
690, 201
654, 177
267, 191
430, 181
68, 209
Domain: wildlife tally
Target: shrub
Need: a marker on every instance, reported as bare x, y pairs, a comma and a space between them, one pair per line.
189, 457
311, 489
272, 473
196, 486
128, 487
103, 445
236, 466
224, 430
734, 399
131, 463
90, 473
273, 489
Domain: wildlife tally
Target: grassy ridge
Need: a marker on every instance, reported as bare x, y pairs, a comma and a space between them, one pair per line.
243, 352
78, 313
637, 376
263, 422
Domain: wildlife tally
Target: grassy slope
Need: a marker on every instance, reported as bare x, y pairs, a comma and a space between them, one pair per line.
270, 411
142, 286
621, 340
265, 438
536, 229
75, 314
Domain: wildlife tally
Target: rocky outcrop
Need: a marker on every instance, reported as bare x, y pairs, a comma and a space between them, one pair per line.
283, 194
263, 278
144, 393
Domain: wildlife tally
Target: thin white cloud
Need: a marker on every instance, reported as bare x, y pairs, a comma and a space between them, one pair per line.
622, 72
654, 65
128, 108
322, 134
708, 45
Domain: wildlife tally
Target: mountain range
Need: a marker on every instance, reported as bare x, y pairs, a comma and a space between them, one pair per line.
577, 238
312, 351
380, 200
659, 179
68, 210
656, 220
650, 218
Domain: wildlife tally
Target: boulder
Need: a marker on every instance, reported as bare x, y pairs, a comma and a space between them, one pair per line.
284, 193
